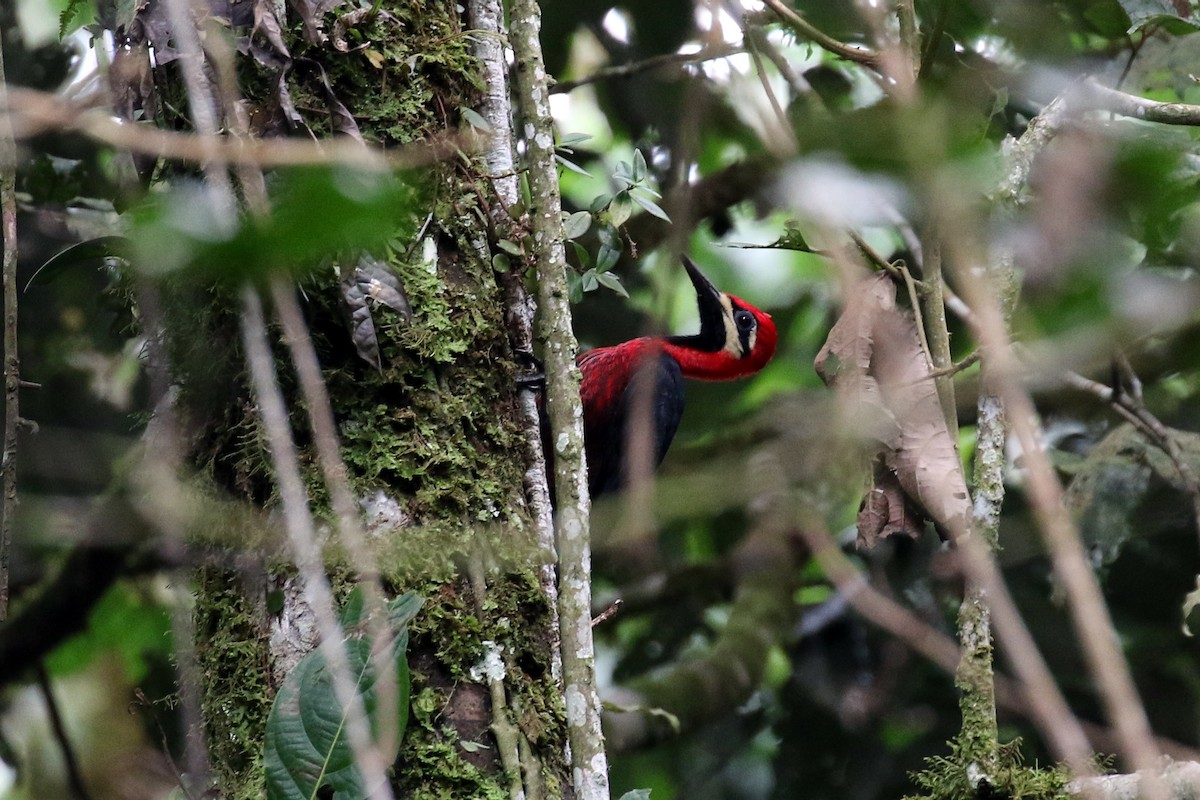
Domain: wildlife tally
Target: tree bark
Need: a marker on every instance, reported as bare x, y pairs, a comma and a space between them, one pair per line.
431, 438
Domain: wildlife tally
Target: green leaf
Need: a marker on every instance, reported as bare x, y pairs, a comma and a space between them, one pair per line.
620, 210
126, 623
571, 165
569, 139
500, 263
305, 747
1165, 14
476, 120
599, 202
650, 206
636, 794
607, 257
512, 248
610, 280
317, 213
582, 256
590, 280
574, 287
577, 224
639, 166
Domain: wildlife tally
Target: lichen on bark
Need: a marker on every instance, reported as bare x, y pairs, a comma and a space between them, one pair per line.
433, 436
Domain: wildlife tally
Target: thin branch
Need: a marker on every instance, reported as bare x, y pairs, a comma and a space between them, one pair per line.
661, 61
35, 113
302, 538
74, 775
1135, 412
859, 55
582, 702
1089, 614
785, 125
12, 364
1130, 105
953, 369
935, 646
496, 108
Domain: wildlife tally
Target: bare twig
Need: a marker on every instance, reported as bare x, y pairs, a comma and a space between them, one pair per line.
955, 368
589, 761
661, 61
791, 144
1131, 407
607, 613
1092, 622
859, 55
1130, 105
36, 112
70, 760
302, 538
12, 364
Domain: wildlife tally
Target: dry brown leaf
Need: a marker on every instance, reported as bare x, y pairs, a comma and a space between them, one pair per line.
886, 510
873, 357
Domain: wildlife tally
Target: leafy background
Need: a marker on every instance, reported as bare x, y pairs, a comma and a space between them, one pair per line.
835, 707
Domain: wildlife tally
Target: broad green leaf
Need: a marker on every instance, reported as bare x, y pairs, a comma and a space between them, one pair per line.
620, 209
650, 206
569, 139
1162, 13
611, 281
512, 248
639, 166
126, 622
306, 747
571, 165
607, 257
577, 224
574, 287
582, 255
315, 214
476, 120
590, 280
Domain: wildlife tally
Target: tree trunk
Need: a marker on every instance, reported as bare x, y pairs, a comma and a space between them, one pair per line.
431, 438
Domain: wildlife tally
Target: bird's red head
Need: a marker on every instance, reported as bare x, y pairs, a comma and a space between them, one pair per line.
735, 338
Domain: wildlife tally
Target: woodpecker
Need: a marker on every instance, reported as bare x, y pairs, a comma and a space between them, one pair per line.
735, 339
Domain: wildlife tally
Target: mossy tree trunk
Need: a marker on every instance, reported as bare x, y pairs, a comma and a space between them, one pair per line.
431, 440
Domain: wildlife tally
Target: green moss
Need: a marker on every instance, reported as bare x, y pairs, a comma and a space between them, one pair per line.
231, 652
435, 430
956, 777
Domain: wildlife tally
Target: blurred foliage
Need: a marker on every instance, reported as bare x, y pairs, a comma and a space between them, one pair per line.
1108, 245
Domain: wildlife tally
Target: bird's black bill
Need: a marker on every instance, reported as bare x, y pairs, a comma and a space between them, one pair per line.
712, 313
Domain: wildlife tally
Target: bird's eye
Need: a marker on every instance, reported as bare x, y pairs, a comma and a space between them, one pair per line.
744, 320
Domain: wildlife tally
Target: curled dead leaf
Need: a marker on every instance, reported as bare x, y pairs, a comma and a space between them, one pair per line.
873, 358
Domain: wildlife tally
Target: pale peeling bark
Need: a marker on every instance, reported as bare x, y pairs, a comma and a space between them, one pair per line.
496, 108
487, 15
12, 372
589, 763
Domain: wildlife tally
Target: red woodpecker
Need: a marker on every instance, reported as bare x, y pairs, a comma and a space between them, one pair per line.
735, 339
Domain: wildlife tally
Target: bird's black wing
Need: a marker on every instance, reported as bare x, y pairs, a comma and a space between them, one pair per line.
656, 390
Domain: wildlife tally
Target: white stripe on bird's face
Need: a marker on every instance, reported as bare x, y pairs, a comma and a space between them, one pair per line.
738, 344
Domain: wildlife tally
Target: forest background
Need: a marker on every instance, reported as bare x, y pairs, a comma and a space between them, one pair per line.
270, 269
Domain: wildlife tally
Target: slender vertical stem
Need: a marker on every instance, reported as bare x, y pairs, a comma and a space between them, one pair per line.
58, 725
496, 108
305, 548
12, 364
589, 762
